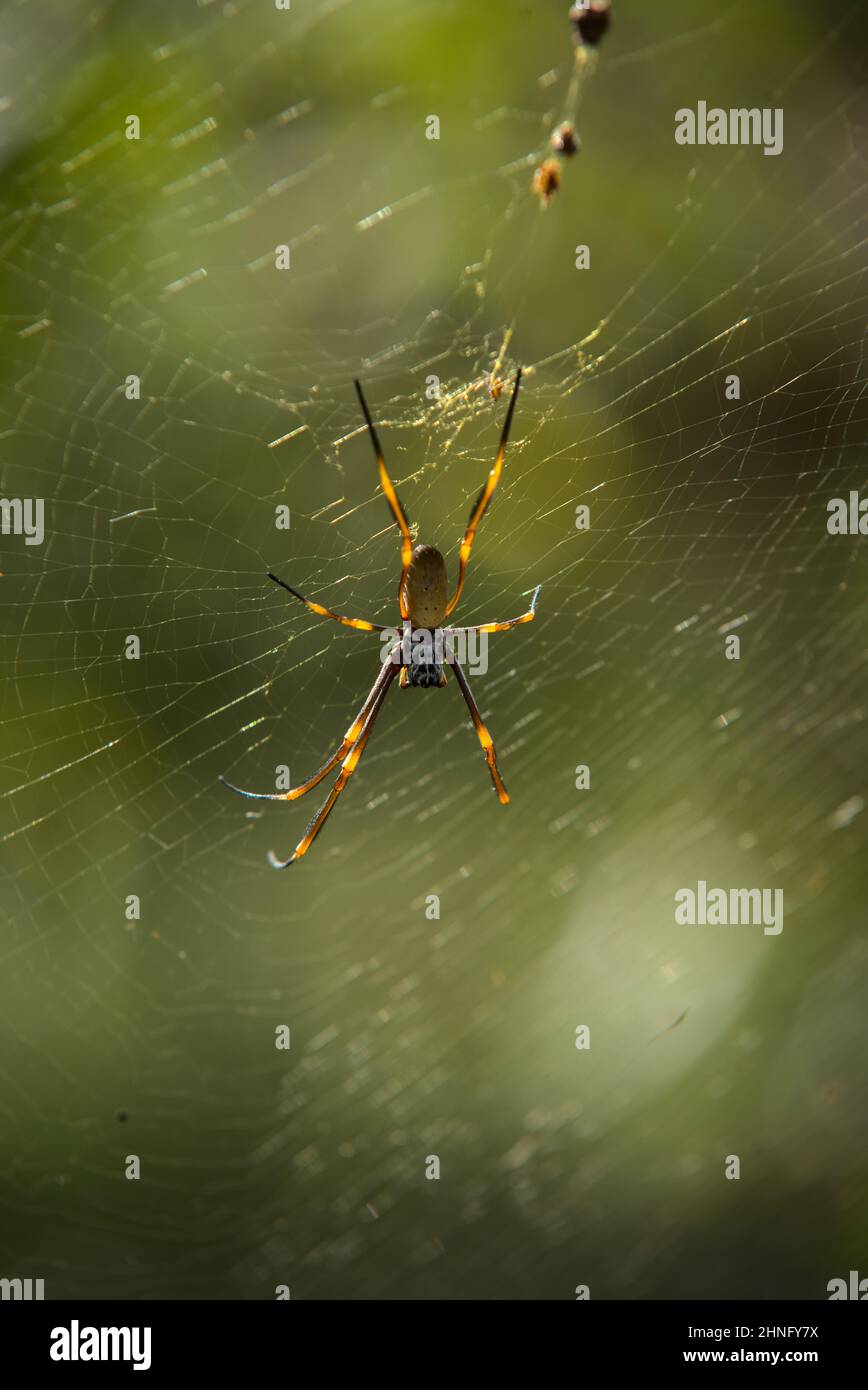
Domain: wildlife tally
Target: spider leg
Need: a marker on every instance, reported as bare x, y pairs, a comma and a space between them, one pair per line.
393, 500
360, 623
482, 733
482, 501
348, 767
527, 617
350, 738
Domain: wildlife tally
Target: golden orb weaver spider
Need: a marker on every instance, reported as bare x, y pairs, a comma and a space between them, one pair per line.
423, 604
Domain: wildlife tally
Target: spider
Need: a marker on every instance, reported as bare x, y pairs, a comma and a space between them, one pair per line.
564, 140
547, 181
591, 19
423, 605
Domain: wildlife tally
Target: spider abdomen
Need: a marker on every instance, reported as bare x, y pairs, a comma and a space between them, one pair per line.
425, 587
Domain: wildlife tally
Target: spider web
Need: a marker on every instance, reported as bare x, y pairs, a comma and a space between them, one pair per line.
415, 1035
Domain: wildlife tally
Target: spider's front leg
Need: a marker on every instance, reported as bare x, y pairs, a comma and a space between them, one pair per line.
349, 739
348, 767
482, 733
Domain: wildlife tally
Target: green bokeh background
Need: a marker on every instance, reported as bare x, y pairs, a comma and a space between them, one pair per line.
410, 1036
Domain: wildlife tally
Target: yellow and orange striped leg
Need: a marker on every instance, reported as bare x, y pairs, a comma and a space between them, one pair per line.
527, 617
348, 767
349, 739
361, 624
394, 502
482, 501
482, 733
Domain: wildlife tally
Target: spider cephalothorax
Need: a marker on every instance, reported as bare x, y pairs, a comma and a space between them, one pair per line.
425, 675
424, 606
